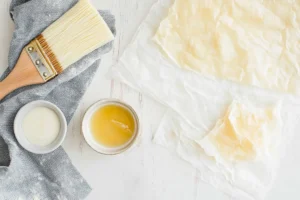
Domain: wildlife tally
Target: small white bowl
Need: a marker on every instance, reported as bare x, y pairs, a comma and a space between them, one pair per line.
87, 133
19, 133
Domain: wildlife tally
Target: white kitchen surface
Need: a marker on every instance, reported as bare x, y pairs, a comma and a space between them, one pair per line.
147, 171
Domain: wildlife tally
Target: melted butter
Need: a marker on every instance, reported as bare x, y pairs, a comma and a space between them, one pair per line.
112, 125
251, 42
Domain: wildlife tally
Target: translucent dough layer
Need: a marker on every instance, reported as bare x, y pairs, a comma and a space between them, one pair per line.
244, 133
251, 42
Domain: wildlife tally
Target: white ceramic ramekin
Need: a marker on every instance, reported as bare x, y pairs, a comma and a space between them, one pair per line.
19, 133
89, 136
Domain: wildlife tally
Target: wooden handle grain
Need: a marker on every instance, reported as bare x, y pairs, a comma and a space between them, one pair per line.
23, 74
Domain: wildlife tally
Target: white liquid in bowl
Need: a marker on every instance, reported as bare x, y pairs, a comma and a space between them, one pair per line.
41, 126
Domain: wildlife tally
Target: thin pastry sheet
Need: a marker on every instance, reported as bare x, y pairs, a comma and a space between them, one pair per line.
251, 42
195, 103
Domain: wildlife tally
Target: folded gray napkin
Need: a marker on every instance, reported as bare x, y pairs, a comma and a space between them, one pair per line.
23, 175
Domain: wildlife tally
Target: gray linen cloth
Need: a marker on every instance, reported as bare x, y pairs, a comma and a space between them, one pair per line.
23, 175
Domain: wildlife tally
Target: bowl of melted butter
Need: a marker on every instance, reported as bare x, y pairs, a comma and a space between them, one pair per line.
110, 126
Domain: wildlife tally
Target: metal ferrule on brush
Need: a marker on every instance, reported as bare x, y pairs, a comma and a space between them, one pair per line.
43, 61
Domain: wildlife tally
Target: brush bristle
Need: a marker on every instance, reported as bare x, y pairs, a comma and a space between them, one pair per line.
77, 33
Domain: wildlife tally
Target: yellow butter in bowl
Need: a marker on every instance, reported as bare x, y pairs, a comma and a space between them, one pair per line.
112, 125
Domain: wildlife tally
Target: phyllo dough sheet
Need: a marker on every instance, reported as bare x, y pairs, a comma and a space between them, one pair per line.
239, 155
199, 107
251, 42
245, 134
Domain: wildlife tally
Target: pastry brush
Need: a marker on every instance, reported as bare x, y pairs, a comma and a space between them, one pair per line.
77, 33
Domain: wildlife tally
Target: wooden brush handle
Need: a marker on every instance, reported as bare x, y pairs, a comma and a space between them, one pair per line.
23, 74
